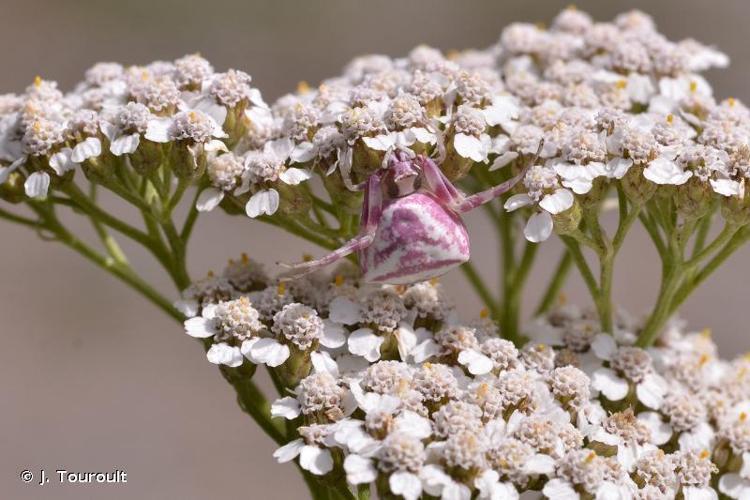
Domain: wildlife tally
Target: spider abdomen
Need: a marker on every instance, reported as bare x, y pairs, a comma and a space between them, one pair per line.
417, 239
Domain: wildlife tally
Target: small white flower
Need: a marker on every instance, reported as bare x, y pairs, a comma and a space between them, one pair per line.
269, 166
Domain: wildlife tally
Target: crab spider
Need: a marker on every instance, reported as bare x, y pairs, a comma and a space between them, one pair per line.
411, 228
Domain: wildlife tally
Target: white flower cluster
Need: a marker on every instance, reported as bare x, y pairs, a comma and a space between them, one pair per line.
611, 101
389, 387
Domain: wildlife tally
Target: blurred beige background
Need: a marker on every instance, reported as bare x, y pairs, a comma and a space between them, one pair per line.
93, 378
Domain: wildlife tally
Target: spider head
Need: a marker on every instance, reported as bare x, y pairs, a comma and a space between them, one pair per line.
402, 176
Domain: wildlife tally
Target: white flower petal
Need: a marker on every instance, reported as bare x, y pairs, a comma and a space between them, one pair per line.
416, 425
289, 451
406, 340
517, 201
294, 176
287, 407
425, 350
60, 162
405, 484
359, 470
224, 354
558, 489
263, 202
209, 199
661, 431
323, 362
617, 167
382, 142
608, 383
734, 486
477, 363
557, 202
345, 311
157, 130
664, 171
200, 328
316, 460
651, 391
89, 148
540, 464
503, 160
726, 187
604, 346
364, 342
538, 227
693, 493
189, 308
302, 153
268, 352
125, 144
215, 145
468, 146
37, 185
334, 335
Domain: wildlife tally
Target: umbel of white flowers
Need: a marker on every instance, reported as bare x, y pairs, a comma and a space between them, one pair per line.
390, 387
612, 101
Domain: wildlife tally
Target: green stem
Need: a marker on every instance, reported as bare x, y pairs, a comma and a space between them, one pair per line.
559, 277
94, 212
480, 287
253, 402
692, 283
17, 219
512, 299
703, 229
653, 232
726, 234
119, 269
583, 267
192, 217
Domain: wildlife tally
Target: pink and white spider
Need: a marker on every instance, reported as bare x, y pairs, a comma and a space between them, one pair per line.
411, 228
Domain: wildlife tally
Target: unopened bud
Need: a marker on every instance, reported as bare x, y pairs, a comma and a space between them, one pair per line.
455, 166
568, 221
693, 199
12, 189
736, 210
293, 199
637, 188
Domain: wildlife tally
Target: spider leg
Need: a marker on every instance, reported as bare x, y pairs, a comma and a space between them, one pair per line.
437, 184
471, 202
371, 210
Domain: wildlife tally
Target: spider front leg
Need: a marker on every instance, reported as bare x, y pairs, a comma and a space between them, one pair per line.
444, 190
469, 203
371, 211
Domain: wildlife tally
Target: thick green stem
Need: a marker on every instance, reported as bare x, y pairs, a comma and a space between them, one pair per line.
254, 403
